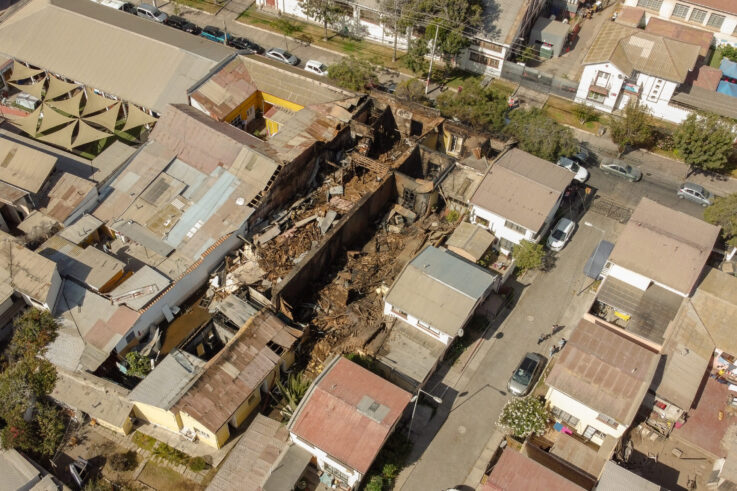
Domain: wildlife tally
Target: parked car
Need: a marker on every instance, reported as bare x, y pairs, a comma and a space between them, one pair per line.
183, 24
245, 44
316, 67
583, 157
282, 55
581, 174
526, 374
151, 13
622, 169
560, 234
130, 8
214, 34
695, 193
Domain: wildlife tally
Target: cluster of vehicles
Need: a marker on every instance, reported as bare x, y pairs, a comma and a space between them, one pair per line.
213, 33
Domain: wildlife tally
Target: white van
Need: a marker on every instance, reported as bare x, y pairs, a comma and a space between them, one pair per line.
316, 67
151, 13
116, 4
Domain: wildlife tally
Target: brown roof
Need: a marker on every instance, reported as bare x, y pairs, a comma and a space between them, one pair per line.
23, 166
349, 413
522, 188
631, 49
10, 194
224, 91
705, 77
89, 265
715, 301
665, 245
236, 371
516, 472
24, 270
66, 195
631, 16
679, 32
605, 371
727, 6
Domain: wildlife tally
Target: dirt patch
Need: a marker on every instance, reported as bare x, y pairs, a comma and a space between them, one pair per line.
165, 479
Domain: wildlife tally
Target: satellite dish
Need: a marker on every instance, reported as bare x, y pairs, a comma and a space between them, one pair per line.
460, 333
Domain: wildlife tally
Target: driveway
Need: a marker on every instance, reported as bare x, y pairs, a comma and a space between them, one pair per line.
472, 401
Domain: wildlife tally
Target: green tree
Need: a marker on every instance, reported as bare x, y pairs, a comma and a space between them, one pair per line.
704, 142
585, 113
352, 73
293, 391
540, 135
23, 383
415, 58
18, 434
411, 90
483, 108
33, 330
724, 213
138, 365
400, 16
324, 11
50, 427
528, 255
528, 54
523, 417
287, 28
376, 483
633, 129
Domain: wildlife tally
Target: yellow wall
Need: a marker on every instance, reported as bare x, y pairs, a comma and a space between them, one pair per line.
157, 416
123, 430
215, 440
254, 100
288, 357
245, 409
271, 99
272, 126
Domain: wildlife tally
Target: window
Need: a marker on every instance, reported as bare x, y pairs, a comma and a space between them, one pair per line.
337, 474
481, 221
564, 417
399, 312
514, 226
650, 4
505, 244
698, 15
596, 96
715, 21
606, 419
680, 11
591, 432
456, 143
654, 94
602, 79
483, 60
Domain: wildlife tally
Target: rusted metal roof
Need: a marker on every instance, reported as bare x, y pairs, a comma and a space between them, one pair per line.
24, 270
66, 195
516, 472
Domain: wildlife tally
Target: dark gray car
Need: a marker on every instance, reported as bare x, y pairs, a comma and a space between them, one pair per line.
526, 374
621, 169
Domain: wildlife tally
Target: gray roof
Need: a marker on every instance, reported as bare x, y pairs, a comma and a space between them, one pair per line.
288, 469
522, 188
77, 232
140, 234
110, 160
470, 241
249, 463
503, 18
144, 277
695, 97
18, 473
409, 352
168, 382
715, 301
604, 371
237, 310
440, 289
92, 395
89, 265
616, 478
139, 61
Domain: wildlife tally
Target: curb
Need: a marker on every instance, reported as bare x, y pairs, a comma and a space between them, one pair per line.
337, 53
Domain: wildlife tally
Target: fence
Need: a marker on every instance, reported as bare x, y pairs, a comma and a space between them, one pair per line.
539, 81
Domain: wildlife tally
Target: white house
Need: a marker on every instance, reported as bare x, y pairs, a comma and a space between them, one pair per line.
373, 20
518, 198
717, 16
345, 418
626, 64
438, 292
599, 382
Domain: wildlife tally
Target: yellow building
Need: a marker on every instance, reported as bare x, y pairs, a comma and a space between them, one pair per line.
209, 399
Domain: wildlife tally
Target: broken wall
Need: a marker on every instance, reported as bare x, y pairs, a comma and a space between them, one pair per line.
418, 195
350, 230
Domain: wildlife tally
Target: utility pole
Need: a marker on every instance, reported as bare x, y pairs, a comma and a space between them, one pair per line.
432, 58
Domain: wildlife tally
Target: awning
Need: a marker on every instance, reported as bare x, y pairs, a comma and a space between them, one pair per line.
69, 106
51, 118
29, 123
728, 68
728, 88
96, 102
33, 89
22, 72
88, 134
137, 117
106, 119
58, 87
62, 137
598, 259
599, 90
288, 470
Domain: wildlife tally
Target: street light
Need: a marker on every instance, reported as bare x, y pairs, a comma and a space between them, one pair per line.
416, 398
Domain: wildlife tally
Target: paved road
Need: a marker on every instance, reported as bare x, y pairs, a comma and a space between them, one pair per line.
474, 410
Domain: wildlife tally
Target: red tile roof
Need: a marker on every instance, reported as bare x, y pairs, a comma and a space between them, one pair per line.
679, 32
705, 77
723, 5
704, 428
516, 472
330, 418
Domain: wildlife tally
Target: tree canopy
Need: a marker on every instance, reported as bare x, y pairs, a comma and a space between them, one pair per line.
523, 417
704, 142
33, 330
724, 213
528, 255
481, 107
325, 12
540, 135
352, 73
633, 129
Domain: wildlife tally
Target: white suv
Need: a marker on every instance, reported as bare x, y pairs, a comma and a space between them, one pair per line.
581, 173
316, 67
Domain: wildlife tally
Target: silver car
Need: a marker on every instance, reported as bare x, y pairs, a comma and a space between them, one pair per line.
284, 56
526, 374
695, 193
622, 169
151, 13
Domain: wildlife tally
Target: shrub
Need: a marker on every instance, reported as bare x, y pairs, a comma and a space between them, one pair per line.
524, 417
376, 483
124, 461
528, 255
197, 464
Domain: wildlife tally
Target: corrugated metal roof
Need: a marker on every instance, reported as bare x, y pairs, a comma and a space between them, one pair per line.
144, 277
410, 352
140, 61
616, 478
23, 166
171, 378
522, 188
66, 195
10, 194
78, 232
471, 240
715, 301
679, 32
604, 371
329, 417
97, 397
665, 245
516, 472
24, 270
237, 310
234, 373
440, 289
89, 265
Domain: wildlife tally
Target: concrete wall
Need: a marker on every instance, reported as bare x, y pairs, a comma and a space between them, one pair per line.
496, 226
424, 327
586, 415
588, 78
351, 229
354, 477
157, 416
206, 436
639, 281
